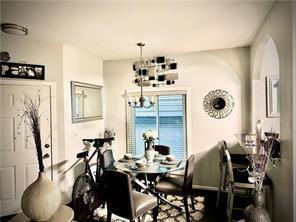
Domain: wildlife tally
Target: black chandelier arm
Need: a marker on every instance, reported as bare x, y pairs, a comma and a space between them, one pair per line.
139, 105
151, 105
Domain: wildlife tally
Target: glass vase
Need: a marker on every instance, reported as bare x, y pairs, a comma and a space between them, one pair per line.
256, 212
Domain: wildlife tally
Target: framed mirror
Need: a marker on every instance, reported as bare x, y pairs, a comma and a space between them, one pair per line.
86, 102
272, 96
218, 104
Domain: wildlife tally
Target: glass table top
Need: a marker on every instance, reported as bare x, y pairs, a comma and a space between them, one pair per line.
157, 167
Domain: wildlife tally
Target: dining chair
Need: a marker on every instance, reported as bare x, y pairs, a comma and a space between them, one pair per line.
123, 201
238, 183
239, 161
179, 185
107, 160
162, 149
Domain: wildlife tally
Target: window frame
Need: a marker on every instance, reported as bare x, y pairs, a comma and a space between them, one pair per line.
161, 92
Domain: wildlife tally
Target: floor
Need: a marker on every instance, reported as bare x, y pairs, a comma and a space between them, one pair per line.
210, 214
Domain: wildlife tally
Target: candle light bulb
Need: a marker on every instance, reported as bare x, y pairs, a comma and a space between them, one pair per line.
152, 99
129, 99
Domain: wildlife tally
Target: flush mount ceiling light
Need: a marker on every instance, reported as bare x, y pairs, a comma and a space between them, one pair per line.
152, 72
14, 29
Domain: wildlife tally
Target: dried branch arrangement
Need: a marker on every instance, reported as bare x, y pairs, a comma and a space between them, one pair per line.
263, 147
31, 116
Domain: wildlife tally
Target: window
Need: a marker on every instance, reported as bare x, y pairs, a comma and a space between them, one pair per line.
167, 117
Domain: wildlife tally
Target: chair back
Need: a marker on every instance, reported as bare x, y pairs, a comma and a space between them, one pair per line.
107, 160
188, 176
163, 150
118, 191
229, 167
222, 148
276, 148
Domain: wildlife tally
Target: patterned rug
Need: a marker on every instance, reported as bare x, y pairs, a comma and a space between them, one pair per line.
166, 213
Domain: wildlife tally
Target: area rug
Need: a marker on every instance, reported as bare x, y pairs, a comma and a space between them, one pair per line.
166, 213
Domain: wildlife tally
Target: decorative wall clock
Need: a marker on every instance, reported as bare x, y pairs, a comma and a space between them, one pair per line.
218, 103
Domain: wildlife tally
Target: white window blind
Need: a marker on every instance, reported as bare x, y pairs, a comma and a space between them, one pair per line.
167, 117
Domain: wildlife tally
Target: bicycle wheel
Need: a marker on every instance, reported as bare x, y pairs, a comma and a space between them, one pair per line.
82, 197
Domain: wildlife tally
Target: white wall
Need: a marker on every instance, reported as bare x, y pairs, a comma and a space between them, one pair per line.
269, 67
294, 107
201, 72
50, 55
278, 25
62, 65
81, 67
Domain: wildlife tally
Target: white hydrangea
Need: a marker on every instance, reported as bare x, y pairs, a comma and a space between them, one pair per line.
150, 135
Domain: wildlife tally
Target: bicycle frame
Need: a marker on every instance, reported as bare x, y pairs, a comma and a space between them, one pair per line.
87, 169
98, 144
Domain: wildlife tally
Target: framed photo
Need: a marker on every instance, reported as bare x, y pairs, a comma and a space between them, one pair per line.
272, 96
22, 70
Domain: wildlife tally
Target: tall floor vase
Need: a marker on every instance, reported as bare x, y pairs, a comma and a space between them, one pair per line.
256, 212
41, 199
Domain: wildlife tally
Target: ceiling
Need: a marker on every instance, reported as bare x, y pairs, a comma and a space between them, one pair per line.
111, 29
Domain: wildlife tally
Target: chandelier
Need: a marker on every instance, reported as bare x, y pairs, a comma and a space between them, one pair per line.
152, 72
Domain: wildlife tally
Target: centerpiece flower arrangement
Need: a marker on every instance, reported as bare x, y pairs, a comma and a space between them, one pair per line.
149, 137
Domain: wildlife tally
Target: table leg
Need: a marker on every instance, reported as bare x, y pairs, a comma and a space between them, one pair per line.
146, 188
146, 179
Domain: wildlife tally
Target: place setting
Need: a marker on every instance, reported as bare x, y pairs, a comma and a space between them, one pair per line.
129, 158
170, 160
142, 164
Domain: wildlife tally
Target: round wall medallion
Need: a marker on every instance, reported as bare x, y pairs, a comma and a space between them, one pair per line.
218, 103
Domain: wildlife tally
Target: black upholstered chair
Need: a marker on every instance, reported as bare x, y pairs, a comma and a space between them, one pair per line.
107, 160
238, 183
162, 149
179, 185
122, 200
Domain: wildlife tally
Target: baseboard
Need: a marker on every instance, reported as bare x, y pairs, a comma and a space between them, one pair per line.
200, 187
6, 218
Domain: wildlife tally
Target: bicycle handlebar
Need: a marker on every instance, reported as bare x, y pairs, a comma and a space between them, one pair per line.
98, 142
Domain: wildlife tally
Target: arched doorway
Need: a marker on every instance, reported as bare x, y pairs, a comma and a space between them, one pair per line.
265, 85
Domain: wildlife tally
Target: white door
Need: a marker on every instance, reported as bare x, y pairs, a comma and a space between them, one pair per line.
18, 158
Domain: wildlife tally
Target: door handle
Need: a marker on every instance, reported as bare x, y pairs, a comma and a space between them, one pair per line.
46, 145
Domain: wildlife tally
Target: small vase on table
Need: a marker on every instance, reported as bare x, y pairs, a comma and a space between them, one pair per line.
149, 151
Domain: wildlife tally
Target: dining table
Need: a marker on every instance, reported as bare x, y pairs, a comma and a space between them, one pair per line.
160, 166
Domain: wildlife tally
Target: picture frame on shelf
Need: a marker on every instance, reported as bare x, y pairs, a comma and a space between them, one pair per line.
22, 71
272, 96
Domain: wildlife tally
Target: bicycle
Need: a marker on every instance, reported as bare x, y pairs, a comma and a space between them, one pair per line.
87, 192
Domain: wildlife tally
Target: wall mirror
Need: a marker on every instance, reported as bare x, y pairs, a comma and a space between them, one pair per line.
272, 96
86, 102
